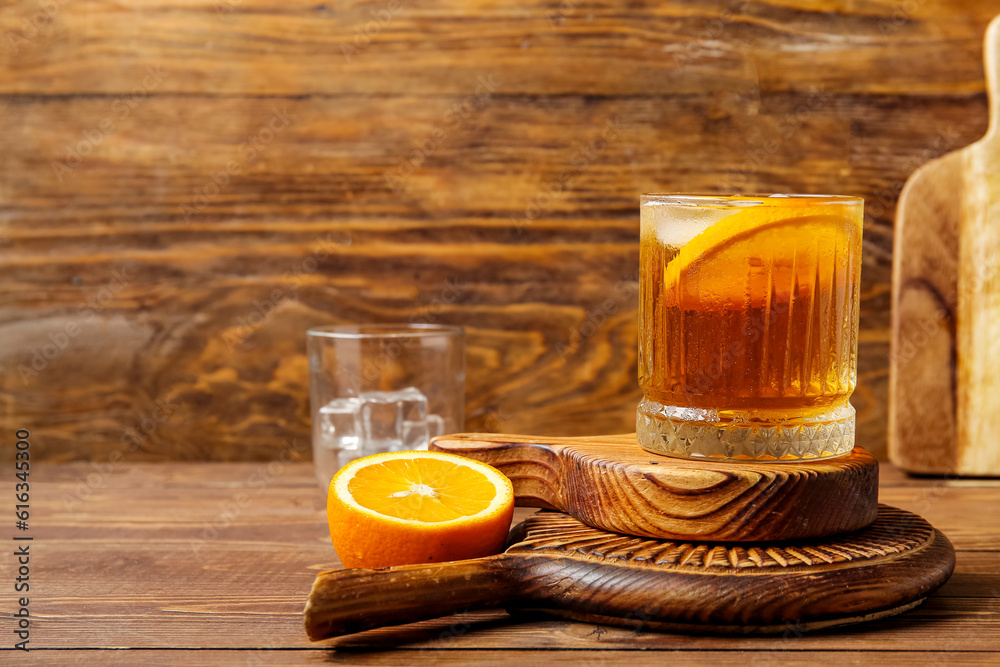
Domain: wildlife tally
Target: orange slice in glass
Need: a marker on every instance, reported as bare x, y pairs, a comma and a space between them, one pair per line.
775, 244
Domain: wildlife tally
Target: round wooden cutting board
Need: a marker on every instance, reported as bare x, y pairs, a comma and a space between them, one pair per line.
560, 566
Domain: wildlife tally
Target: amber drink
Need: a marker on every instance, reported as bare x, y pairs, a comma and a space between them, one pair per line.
748, 326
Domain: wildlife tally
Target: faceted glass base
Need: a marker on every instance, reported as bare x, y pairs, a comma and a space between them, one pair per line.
699, 434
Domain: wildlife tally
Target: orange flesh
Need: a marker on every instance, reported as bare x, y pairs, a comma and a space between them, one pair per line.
426, 490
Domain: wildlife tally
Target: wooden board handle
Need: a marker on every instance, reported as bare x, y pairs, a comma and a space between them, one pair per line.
991, 60
347, 601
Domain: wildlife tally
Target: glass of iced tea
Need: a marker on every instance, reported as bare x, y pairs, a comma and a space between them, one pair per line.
748, 326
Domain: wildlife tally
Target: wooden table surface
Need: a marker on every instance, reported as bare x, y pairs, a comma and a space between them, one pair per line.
211, 564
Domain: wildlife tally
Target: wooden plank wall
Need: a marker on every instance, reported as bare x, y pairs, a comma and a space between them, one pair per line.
186, 186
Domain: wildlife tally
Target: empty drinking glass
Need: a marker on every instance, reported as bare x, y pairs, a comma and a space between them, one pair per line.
382, 388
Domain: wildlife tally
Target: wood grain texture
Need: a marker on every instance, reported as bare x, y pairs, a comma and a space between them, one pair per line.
165, 277
254, 47
612, 483
946, 314
491, 657
597, 576
119, 552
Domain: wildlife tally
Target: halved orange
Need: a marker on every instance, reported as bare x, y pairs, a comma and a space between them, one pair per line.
417, 507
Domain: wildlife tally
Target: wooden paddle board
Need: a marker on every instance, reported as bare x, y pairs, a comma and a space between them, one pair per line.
563, 567
944, 376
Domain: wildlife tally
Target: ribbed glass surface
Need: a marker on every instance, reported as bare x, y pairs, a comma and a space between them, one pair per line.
749, 320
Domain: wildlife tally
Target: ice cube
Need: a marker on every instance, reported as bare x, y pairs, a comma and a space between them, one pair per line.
383, 413
416, 434
412, 404
379, 420
340, 424
372, 423
675, 222
338, 437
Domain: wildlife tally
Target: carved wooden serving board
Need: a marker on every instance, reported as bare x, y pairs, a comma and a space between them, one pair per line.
610, 482
561, 566
944, 384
